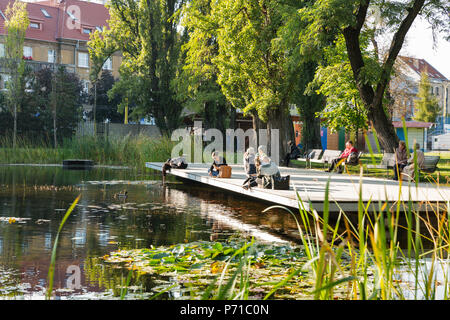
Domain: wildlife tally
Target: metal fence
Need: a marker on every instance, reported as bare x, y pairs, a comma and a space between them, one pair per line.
110, 130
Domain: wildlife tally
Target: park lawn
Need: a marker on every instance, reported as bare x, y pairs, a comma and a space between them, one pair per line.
443, 171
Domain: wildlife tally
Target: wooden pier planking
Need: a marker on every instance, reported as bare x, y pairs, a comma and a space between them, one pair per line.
311, 184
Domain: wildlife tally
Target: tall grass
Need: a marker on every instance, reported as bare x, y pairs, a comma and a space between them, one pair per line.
128, 150
365, 260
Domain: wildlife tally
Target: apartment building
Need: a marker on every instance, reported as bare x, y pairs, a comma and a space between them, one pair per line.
58, 34
404, 87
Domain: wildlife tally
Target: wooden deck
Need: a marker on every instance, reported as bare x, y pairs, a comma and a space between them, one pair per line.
310, 185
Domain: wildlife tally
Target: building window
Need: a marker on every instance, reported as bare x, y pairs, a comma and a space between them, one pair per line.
437, 91
83, 60
87, 30
51, 56
45, 13
35, 25
108, 64
28, 52
2, 50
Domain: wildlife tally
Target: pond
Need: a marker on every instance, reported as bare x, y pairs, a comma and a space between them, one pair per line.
33, 200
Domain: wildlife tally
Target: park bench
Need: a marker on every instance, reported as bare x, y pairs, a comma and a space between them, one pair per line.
430, 164
387, 162
356, 162
329, 155
311, 155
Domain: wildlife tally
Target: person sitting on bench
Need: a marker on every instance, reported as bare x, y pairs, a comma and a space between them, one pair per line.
349, 149
294, 153
401, 159
408, 171
218, 161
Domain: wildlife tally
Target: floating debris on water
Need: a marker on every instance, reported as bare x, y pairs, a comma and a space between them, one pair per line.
12, 220
41, 221
116, 182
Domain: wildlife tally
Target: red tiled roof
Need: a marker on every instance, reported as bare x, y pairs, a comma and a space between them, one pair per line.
421, 65
60, 25
412, 124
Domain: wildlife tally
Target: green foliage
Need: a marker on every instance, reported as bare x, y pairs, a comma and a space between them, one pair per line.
353, 19
16, 24
35, 117
196, 84
106, 107
236, 269
51, 269
145, 32
427, 105
334, 80
128, 150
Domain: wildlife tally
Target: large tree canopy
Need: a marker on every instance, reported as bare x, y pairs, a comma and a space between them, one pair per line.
350, 18
247, 46
146, 33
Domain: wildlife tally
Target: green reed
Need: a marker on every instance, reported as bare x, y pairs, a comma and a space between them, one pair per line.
51, 269
128, 150
365, 261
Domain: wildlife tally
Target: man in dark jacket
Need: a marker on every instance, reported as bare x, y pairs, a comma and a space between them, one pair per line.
294, 153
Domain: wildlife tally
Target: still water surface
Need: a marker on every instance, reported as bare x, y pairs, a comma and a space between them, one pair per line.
33, 200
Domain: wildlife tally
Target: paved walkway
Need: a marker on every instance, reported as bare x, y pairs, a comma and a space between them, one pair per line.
310, 185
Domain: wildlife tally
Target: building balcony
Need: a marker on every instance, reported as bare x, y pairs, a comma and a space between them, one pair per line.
39, 65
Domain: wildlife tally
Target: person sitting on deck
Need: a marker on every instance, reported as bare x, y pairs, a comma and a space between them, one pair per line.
265, 170
249, 162
408, 171
175, 163
218, 162
261, 153
294, 153
401, 159
349, 149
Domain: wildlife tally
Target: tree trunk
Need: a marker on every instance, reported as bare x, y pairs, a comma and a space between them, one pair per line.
384, 129
257, 123
280, 118
311, 133
15, 127
55, 140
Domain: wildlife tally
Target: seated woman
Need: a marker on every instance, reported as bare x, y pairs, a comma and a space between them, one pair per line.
218, 161
349, 149
265, 170
408, 171
249, 162
401, 159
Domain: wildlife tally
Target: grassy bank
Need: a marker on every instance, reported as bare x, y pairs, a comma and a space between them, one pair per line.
126, 151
